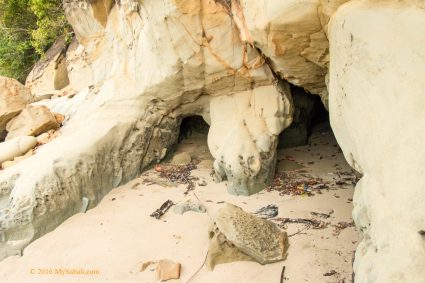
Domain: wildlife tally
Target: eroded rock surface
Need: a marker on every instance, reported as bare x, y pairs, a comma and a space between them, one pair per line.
377, 86
292, 35
13, 98
160, 61
51, 73
142, 66
237, 235
16, 147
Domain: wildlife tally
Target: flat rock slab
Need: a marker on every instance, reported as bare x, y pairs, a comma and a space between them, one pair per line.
32, 121
167, 270
237, 235
189, 205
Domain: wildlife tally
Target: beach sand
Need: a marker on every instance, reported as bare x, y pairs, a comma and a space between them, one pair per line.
115, 238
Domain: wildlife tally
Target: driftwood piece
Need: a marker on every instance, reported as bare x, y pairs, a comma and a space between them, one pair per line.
162, 210
282, 275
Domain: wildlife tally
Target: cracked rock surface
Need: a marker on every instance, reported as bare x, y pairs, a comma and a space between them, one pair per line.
237, 235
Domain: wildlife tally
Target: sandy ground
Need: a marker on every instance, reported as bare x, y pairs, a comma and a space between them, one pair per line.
118, 236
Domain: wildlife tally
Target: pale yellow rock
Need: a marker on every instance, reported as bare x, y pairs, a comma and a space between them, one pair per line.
161, 61
16, 147
42, 139
237, 235
183, 158
23, 157
167, 270
32, 121
7, 164
292, 36
206, 164
377, 87
14, 97
243, 136
50, 74
59, 118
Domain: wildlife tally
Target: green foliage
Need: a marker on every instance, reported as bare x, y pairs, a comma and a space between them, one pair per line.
27, 29
51, 23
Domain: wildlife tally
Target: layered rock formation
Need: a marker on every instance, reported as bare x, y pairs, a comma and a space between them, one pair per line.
51, 73
160, 61
142, 66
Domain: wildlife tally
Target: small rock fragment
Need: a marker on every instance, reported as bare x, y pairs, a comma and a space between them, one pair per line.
167, 270
188, 205
59, 118
267, 212
206, 164
183, 158
32, 121
13, 99
85, 205
146, 265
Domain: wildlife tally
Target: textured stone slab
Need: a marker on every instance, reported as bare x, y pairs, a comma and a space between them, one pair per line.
237, 235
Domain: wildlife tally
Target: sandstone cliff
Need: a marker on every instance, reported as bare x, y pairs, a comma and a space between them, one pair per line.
140, 67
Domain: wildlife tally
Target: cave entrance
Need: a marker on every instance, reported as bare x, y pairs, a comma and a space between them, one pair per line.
193, 125
193, 136
309, 113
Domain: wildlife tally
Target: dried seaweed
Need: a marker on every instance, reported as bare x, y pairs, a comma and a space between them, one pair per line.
322, 215
178, 174
297, 183
330, 273
313, 223
267, 212
341, 226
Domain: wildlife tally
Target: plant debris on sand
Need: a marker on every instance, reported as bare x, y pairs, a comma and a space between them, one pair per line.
341, 226
296, 183
176, 174
313, 223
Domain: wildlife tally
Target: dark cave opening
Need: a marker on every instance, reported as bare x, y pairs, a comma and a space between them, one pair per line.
192, 125
309, 111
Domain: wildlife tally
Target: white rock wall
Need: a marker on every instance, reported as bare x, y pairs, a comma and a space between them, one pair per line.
377, 108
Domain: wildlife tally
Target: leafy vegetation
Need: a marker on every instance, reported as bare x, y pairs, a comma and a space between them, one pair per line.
27, 29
